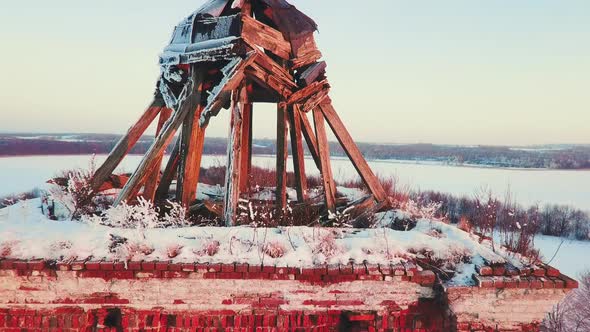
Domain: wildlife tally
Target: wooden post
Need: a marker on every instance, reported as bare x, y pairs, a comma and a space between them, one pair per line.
297, 152
325, 164
246, 158
191, 153
193, 96
152, 180
310, 138
282, 155
353, 152
169, 173
234, 153
125, 144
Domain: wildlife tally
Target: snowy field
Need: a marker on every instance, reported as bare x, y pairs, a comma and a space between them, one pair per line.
18, 174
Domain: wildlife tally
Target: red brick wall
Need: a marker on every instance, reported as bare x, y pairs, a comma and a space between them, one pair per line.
158, 296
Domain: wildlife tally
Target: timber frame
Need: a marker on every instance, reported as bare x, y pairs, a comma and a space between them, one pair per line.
232, 54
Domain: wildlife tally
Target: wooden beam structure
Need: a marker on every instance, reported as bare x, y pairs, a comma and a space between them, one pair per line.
353, 152
231, 54
187, 104
246, 158
153, 179
282, 155
191, 152
297, 153
234, 154
325, 164
125, 144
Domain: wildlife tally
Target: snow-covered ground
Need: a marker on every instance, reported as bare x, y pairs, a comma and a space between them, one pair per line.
572, 258
25, 233
18, 174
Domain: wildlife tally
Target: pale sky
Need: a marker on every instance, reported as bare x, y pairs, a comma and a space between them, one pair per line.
447, 72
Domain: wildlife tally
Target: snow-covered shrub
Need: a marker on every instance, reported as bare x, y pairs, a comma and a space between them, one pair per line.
6, 248
73, 191
210, 248
13, 199
573, 313
134, 251
325, 244
465, 225
274, 249
143, 215
174, 250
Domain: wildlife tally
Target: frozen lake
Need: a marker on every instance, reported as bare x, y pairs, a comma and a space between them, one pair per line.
529, 186
18, 174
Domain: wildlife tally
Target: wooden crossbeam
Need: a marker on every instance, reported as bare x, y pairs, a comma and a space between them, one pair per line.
191, 152
234, 154
282, 155
186, 105
353, 151
125, 144
246, 158
152, 180
325, 164
169, 173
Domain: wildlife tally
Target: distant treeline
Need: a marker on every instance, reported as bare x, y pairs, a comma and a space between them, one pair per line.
554, 157
551, 219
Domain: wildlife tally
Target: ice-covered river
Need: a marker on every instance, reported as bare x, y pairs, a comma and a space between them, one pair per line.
18, 174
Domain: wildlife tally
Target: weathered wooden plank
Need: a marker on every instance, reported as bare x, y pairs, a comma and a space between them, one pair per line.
125, 145
246, 158
305, 51
187, 104
257, 33
308, 92
169, 173
191, 152
152, 180
353, 152
325, 164
282, 155
312, 73
313, 101
310, 138
273, 68
297, 152
234, 154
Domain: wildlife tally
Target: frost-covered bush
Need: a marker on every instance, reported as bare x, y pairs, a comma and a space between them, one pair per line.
210, 248
274, 249
143, 215
73, 191
573, 313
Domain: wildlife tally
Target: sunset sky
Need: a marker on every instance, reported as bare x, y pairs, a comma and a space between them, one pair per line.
448, 72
